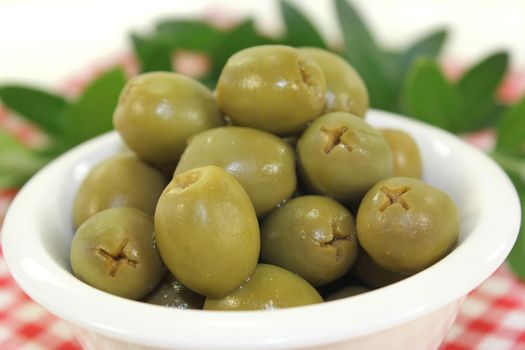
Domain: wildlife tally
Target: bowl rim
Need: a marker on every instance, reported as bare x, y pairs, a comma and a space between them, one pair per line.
56, 289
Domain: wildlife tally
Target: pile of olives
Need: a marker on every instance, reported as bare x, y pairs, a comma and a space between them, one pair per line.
271, 192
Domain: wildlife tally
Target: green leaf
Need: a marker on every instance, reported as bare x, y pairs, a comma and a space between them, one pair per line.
429, 97
17, 162
515, 168
37, 106
361, 51
493, 113
477, 88
299, 30
511, 130
92, 113
240, 37
188, 34
428, 46
152, 54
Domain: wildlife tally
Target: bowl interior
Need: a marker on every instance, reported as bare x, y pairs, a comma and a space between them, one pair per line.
38, 231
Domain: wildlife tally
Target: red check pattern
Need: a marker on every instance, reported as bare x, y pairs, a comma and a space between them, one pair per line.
491, 318
25, 324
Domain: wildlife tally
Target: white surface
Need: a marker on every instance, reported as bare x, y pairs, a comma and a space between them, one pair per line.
39, 221
430, 330
44, 42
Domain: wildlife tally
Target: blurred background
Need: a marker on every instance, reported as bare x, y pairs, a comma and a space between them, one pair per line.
45, 42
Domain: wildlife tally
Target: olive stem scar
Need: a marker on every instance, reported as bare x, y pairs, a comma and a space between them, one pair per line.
337, 235
115, 260
394, 196
335, 138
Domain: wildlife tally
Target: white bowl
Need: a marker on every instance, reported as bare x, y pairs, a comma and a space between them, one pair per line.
415, 313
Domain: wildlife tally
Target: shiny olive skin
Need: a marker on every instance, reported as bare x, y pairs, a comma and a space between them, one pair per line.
268, 288
405, 153
406, 225
262, 163
346, 292
371, 274
342, 156
207, 231
115, 251
157, 112
274, 88
172, 293
312, 236
346, 91
122, 180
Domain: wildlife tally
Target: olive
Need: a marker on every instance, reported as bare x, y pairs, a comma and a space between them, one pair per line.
346, 91
122, 180
270, 287
114, 251
406, 225
207, 231
311, 236
291, 140
348, 291
274, 88
158, 111
262, 163
371, 274
172, 293
342, 156
405, 153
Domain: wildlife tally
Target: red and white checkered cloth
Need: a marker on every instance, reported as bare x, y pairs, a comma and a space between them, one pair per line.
491, 318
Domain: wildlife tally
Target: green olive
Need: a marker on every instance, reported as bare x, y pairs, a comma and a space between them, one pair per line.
119, 181
270, 287
172, 293
406, 225
114, 251
311, 236
346, 91
262, 163
158, 111
405, 153
273, 88
207, 231
348, 291
291, 140
342, 156
371, 274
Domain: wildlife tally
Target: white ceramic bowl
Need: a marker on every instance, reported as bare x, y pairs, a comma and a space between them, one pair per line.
415, 313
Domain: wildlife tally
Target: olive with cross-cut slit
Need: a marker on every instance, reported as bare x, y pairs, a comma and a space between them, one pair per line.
342, 156
275, 88
406, 225
312, 236
114, 251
